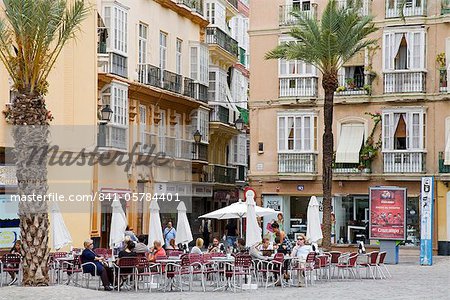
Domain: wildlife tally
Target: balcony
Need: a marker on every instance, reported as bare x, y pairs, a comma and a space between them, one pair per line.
113, 136
172, 81
445, 7
195, 90
411, 8
194, 5
200, 152
349, 168
443, 168
150, 75
352, 86
297, 163
363, 8
443, 81
117, 64
404, 81
286, 17
219, 114
216, 36
404, 161
298, 87
220, 174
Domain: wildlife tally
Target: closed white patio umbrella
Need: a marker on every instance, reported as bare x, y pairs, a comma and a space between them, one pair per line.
184, 233
118, 223
313, 229
155, 229
253, 231
61, 236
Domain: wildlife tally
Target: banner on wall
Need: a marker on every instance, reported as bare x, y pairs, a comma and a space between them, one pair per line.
426, 221
387, 206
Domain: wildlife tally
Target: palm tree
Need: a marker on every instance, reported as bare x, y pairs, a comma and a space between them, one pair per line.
327, 44
32, 35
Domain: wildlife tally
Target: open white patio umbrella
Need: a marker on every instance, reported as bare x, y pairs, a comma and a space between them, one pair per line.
184, 233
155, 229
253, 231
118, 223
238, 210
313, 229
61, 236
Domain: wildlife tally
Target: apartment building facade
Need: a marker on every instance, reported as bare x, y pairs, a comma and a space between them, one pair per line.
393, 94
166, 68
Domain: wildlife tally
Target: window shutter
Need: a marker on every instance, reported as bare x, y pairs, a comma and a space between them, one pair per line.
281, 134
387, 131
387, 48
307, 134
298, 134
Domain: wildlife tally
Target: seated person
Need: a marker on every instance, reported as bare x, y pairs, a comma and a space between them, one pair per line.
172, 245
301, 250
215, 247
266, 247
127, 252
255, 253
140, 246
88, 255
240, 245
156, 250
197, 248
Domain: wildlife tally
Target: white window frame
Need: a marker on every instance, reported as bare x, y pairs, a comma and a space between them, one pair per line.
116, 21
142, 43
216, 14
388, 129
301, 68
178, 55
119, 103
298, 116
163, 37
389, 51
220, 85
199, 62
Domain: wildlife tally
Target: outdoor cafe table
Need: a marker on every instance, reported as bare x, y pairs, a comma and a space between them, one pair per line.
59, 266
169, 261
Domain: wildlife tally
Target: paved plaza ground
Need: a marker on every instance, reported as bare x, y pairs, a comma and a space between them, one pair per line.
410, 281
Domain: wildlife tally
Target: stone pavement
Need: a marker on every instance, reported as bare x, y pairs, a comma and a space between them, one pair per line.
410, 281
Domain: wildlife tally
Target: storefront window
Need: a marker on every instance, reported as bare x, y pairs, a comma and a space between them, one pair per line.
412, 222
351, 214
298, 217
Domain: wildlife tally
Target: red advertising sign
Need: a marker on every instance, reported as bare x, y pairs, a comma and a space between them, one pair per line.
387, 213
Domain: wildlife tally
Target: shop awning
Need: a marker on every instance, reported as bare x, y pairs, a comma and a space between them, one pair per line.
244, 114
350, 142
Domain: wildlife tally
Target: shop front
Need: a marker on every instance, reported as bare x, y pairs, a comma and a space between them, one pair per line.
350, 217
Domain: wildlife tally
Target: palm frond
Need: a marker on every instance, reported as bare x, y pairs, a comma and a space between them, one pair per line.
33, 33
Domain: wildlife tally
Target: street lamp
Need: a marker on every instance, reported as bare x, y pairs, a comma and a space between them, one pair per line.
197, 139
239, 123
197, 136
106, 114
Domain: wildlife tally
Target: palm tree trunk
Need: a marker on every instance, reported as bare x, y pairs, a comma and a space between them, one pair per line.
28, 115
329, 84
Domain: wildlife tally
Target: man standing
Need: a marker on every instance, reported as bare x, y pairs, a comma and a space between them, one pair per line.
231, 233
206, 230
169, 233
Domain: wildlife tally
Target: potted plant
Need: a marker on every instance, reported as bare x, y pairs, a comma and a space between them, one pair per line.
341, 89
350, 83
442, 63
370, 148
368, 89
